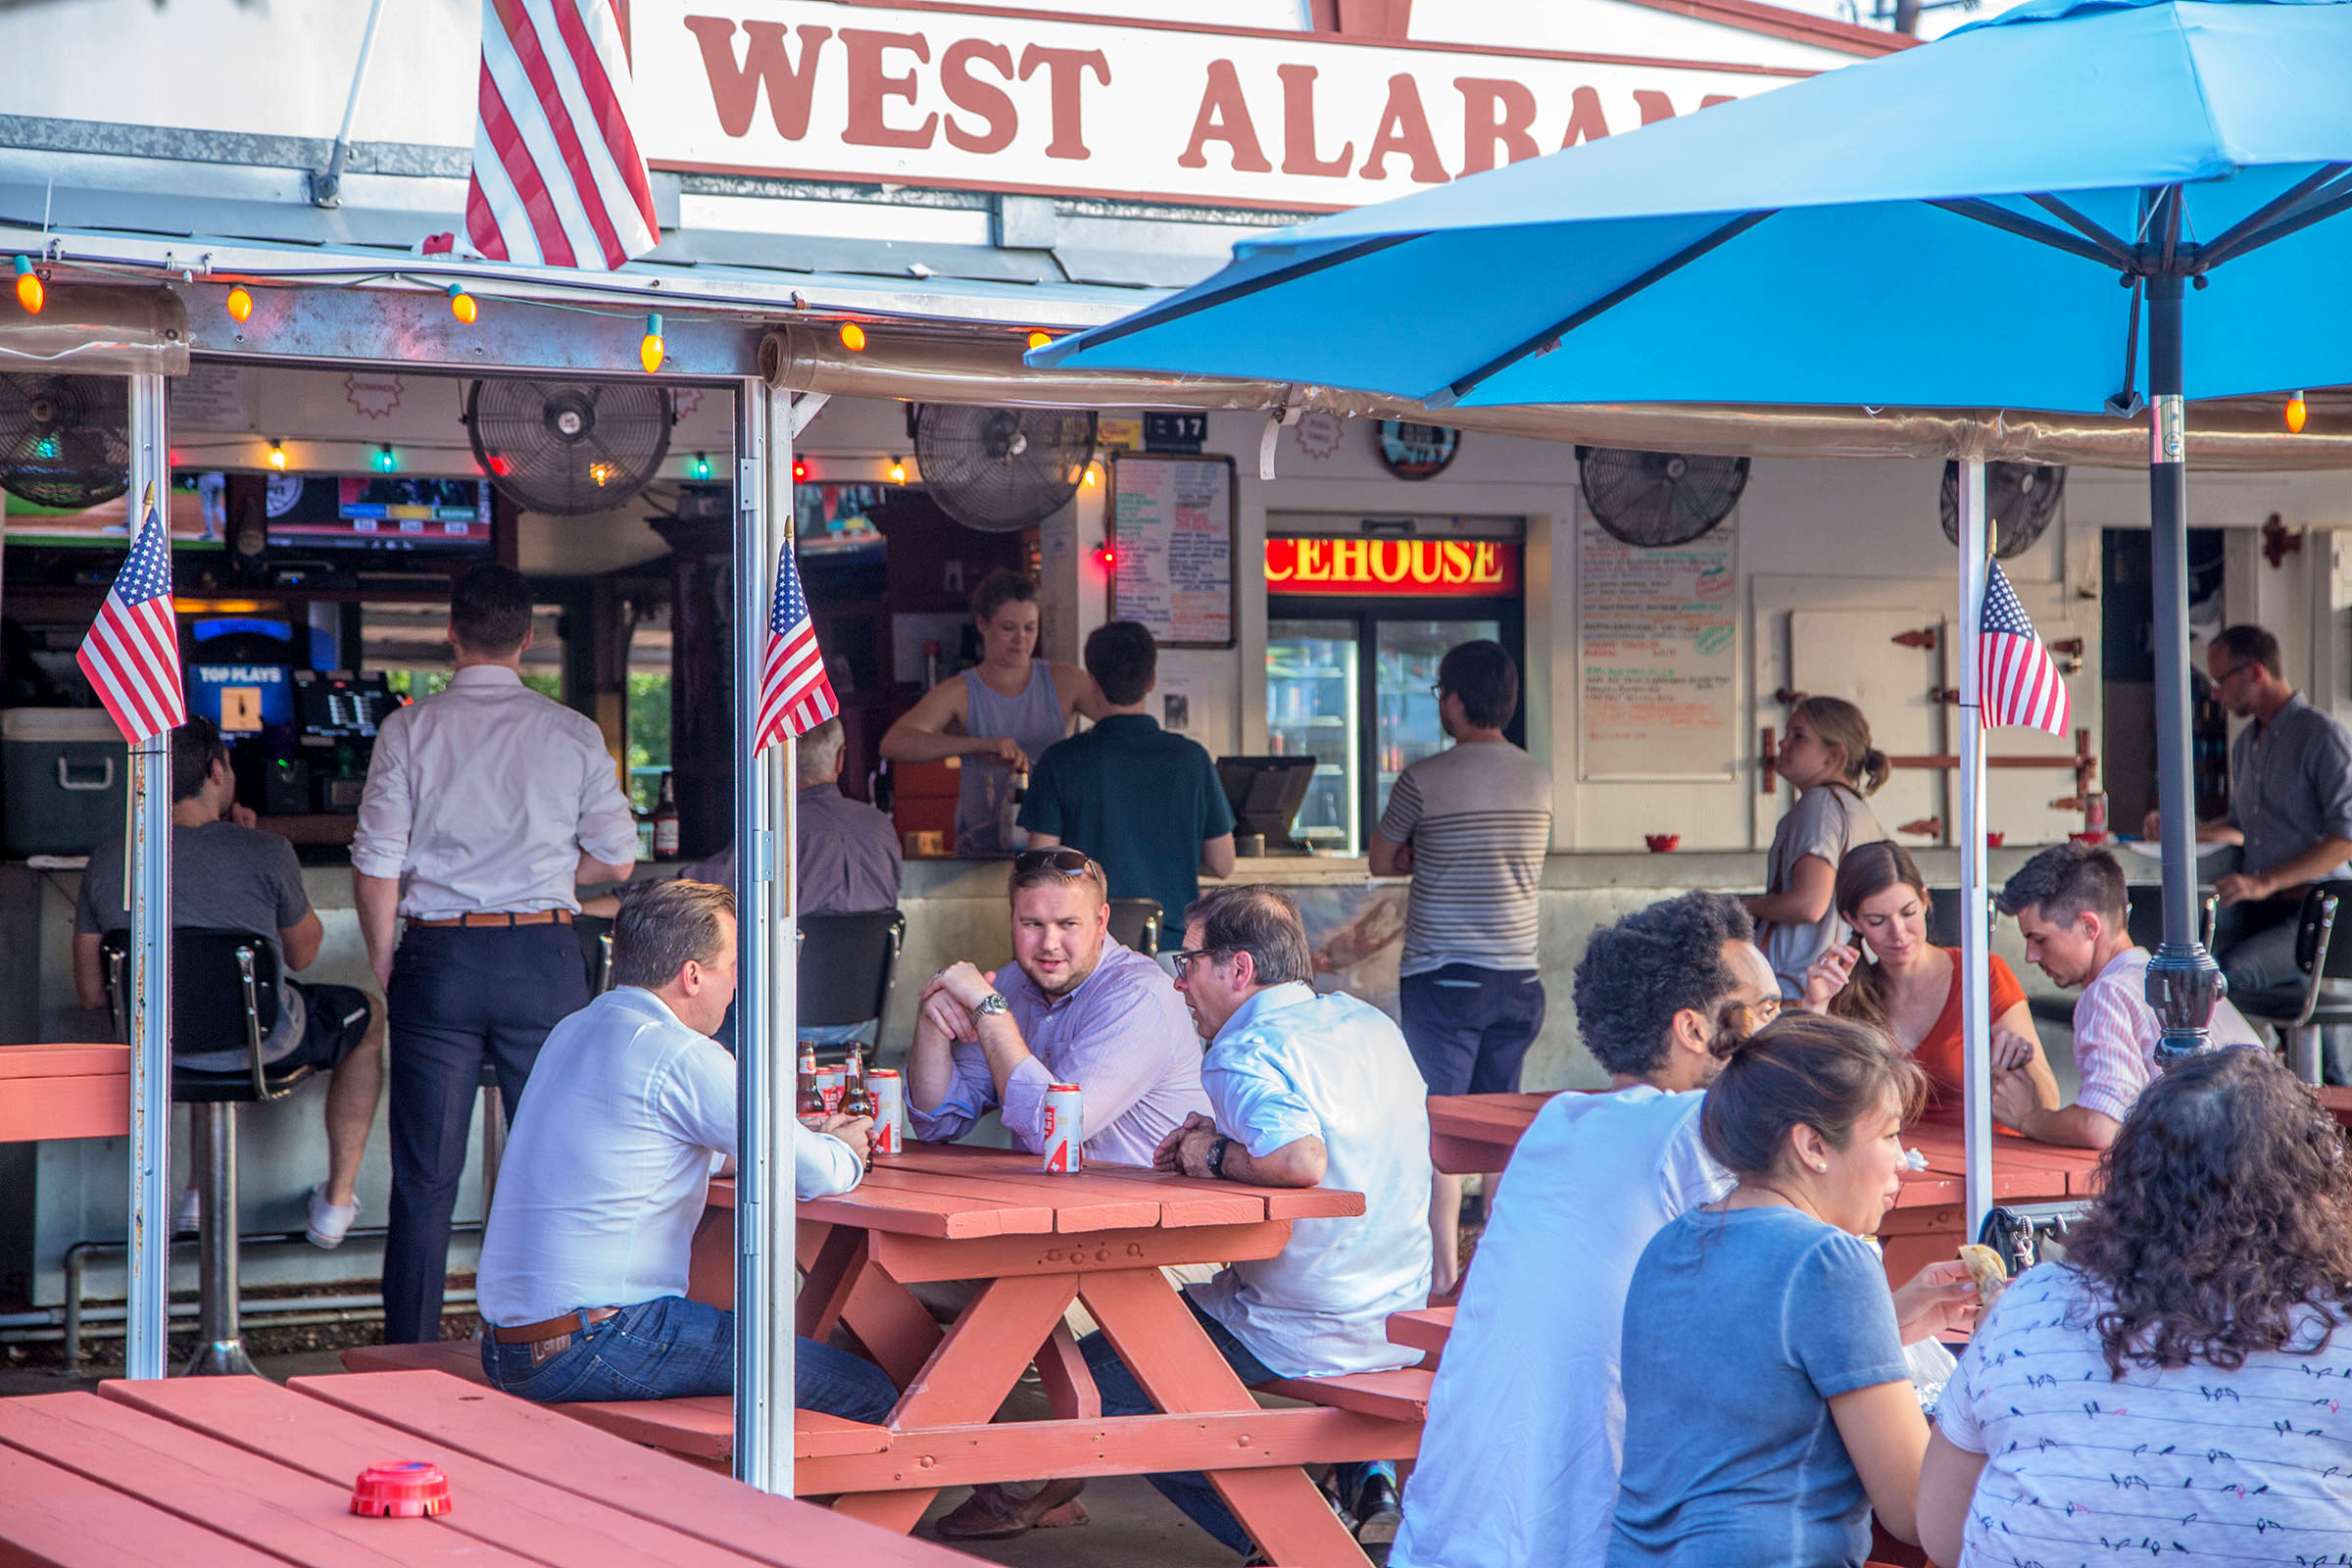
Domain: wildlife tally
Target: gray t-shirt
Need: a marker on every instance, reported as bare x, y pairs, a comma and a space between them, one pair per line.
225, 877
1826, 820
1479, 820
1731, 1453
2290, 785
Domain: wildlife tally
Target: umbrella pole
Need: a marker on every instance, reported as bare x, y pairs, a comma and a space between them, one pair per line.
2184, 982
149, 853
1975, 976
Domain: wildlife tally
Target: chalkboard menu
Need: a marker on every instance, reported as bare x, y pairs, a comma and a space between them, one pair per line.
1656, 656
1171, 539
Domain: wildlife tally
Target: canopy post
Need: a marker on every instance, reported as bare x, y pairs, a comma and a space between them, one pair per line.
777, 1312
756, 1458
1975, 939
150, 1014
2184, 982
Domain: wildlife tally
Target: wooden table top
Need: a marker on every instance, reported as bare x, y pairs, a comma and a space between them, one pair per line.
229, 1472
957, 1192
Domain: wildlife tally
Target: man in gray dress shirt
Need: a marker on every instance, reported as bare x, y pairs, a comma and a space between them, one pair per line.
2291, 809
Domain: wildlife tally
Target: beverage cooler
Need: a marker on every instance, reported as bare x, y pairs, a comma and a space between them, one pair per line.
1355, 625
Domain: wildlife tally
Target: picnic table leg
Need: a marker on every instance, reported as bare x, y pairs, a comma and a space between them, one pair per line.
967, 1378
1071, 1388
840, 1262
1156, 1334
897, 1331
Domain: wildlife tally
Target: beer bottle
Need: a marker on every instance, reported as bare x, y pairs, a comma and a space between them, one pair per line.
856, 1098
811, 1101
665, 820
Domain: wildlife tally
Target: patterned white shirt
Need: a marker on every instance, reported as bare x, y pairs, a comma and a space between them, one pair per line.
2116, 1033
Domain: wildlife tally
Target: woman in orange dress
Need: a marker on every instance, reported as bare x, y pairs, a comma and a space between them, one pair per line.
1909, 986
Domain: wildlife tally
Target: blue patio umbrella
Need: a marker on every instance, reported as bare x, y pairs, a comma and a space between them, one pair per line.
2082, 205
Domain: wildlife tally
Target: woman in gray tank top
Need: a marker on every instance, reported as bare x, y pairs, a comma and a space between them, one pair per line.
1005, 712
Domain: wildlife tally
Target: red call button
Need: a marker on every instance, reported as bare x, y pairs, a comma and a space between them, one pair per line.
410, 1489
1421, 568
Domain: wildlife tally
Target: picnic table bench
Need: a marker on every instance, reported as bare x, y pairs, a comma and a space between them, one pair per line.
231, 1472
70, 1090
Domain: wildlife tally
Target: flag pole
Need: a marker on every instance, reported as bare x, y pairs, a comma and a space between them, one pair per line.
1975, 937
148, 855
779, 1310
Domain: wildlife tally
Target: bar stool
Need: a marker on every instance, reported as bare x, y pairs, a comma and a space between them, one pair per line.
224, 998
846, 966
1136, 923
2322, 953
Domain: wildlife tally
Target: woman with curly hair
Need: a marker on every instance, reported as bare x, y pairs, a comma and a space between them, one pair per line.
2172, 1388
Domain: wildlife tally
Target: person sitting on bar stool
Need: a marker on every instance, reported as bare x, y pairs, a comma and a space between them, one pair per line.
632, 1109
486, 807
228, 875
2070, 902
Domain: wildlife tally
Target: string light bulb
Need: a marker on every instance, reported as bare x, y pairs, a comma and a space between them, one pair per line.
1107, 555
898, 470
462, 305
385, 461
649, 353
2297, 411
29, 291
601, 472
799, 469
240, 304
700, 468
1090, 476
852, 338
1040, 338
278, 454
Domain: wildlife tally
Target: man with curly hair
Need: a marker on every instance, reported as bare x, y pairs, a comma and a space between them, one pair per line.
1535, 1478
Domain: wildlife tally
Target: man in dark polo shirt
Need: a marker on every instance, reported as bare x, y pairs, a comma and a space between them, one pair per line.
1145, 803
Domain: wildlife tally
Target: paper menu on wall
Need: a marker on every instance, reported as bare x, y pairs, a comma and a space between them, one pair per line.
1171, 530
1657, 630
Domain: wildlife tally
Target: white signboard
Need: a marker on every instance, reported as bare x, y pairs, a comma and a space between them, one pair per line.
1656, 634
1170, 111
1172, 529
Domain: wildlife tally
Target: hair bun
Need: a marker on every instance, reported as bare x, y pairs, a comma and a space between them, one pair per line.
1735, 1030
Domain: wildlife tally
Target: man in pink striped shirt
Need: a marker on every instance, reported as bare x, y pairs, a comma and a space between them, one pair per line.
2070, 902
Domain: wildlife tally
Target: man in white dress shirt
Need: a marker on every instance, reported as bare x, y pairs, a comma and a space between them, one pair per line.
1526, 1428
486, 806
632, 1107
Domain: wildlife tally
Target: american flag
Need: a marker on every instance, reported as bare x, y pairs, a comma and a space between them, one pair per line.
795, 694
131, 655
2018, 682
557, 180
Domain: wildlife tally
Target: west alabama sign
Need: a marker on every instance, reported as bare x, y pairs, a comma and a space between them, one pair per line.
1018, 101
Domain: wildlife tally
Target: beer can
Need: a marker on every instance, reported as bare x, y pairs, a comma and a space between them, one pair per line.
1064, 1130
2094, 815
890, 1104
835, 1082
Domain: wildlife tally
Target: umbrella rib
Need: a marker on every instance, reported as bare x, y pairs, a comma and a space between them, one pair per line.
2117, 251
1177, 309
1545, 341
2225, 244
2001, 217
2332, 200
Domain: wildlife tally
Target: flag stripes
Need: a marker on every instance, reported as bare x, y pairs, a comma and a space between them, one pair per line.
2018, 682
794, 693
131, 652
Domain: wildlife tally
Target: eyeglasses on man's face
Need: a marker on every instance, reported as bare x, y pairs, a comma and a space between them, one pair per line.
1182, 957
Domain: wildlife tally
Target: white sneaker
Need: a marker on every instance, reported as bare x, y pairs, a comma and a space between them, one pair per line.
330, 1222
189, 1214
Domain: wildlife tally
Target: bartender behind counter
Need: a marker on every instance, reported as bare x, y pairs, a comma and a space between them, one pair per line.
1007, 710
485, 807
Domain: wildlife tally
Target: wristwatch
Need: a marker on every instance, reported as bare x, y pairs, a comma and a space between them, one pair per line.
992, 1004
1216, 1155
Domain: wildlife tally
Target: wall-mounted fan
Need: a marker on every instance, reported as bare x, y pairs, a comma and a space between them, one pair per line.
570, 448
2020, 501
1001, 469
65, 440
1658, 498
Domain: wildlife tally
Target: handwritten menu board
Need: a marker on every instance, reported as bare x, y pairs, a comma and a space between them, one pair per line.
1172, 529
1656, 633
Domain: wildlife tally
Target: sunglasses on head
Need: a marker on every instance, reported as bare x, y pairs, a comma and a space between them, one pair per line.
1068, 862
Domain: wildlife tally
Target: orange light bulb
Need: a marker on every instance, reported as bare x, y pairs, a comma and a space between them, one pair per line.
1039, 339
650, 351
898, 470
278, 456
29, 292
462, 305
852, 338
240, 304
2297, 411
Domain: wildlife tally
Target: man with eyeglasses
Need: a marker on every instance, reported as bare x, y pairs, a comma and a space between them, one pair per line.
1074, 1006
1598, 1175
2291, 809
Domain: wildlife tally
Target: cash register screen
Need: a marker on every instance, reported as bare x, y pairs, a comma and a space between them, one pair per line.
338, 705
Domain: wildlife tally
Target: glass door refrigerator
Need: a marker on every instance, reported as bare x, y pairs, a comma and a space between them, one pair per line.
1351, 663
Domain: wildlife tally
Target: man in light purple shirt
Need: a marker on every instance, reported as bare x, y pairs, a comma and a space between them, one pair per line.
1074, 1008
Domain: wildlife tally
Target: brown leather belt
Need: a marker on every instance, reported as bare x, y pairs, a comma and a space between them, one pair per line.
502, 917
553, 1336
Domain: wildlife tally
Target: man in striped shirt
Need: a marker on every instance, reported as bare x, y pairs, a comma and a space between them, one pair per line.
2070, 902
1469, 827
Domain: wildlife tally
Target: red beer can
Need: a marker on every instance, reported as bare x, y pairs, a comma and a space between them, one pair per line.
2094, 815
1065, 1131
890, 1101
834, 1081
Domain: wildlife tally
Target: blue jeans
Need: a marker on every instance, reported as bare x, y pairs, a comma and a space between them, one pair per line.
1188, 1490
669, 1348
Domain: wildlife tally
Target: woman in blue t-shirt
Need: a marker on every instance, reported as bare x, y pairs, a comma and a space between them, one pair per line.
1767, 1406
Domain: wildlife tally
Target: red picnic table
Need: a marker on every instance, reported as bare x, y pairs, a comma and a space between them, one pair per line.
1479, 1132
1035, 1242
77, 1091
241, 1473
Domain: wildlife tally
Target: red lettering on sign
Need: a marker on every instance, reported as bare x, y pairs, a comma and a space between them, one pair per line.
735, 88
1494, 114
1586, 122
870, 91
1404, 128
1299, 127
1655, 105
1065, 75
973, 96
1224, 116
